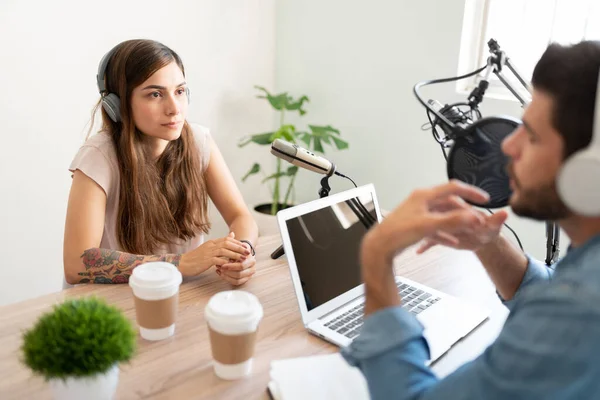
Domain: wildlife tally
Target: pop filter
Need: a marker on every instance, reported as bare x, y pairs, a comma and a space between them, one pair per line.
476, 158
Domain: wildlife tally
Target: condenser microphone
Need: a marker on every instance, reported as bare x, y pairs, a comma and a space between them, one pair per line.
302, 158
475, 155
460, 121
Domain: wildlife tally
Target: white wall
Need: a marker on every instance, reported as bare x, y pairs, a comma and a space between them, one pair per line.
358, 62
48, 60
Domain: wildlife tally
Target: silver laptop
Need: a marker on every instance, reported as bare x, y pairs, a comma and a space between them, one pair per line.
322, 239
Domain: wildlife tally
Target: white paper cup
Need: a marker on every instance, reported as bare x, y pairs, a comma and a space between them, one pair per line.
155, 287
233, 317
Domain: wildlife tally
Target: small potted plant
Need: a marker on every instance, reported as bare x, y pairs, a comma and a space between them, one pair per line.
77, 348
315, 138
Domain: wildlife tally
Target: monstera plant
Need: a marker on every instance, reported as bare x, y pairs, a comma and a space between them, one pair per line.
315, 138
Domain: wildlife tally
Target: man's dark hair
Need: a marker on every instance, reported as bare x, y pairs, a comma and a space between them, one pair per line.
569, 74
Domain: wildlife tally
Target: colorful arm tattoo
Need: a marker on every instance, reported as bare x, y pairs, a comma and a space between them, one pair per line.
112, 266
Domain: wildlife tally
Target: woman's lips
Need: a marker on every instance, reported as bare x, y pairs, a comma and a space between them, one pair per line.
172, 125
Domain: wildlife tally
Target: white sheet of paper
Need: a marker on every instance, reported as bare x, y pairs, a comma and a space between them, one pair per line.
319, 377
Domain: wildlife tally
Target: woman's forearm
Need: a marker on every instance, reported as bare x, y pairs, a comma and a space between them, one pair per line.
112, 266
245, 227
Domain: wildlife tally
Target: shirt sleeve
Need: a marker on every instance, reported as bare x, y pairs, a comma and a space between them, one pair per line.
92, 162
536, 272
545, 351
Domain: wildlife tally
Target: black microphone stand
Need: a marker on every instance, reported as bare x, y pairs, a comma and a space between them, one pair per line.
497, 61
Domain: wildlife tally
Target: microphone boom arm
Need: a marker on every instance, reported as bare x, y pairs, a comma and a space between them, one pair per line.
499, 59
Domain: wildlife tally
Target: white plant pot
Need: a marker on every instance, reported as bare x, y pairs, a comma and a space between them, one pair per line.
97, 387
267, 223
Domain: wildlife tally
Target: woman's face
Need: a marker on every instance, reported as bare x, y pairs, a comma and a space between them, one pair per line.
160, 106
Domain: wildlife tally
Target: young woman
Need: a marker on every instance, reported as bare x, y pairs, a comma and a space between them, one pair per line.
141, 185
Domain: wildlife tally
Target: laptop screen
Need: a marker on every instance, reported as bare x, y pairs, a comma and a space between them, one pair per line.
326, 245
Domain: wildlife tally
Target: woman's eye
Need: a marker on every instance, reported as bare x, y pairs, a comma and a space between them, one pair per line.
180, 91
155, 94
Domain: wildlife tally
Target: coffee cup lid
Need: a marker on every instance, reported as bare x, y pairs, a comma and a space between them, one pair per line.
155, 275
234, 304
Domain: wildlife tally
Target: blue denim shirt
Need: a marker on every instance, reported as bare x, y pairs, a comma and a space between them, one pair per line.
549, 347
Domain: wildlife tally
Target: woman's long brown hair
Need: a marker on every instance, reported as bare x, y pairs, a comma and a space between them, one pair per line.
160, 201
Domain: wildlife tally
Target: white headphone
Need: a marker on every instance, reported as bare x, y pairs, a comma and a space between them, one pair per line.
578, 181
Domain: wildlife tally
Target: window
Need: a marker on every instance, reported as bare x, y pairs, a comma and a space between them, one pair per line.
523, 29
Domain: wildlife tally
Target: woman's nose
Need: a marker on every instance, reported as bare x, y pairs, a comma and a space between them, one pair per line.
173, 107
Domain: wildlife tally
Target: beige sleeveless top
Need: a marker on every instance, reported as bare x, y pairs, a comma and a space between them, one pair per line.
98, 160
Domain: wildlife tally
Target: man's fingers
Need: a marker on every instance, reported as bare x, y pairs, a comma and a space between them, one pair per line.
498, 218
457, 220
455, 187
446, 238
426, 245
439, 238
449, 203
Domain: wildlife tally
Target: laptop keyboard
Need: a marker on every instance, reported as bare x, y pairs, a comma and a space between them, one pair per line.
414, 300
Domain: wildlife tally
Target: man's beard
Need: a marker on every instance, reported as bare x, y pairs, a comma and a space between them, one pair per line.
541, 203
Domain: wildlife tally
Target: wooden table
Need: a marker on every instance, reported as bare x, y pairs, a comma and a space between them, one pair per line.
180, 367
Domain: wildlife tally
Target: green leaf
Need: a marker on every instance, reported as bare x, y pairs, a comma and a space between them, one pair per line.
263, 138
323, 134
305, 137
287, 132
273, 176
317, 144
244, 141
255, 169
289, 137
260, 138
339, 143
278, 102
291, 171
326, 138
292, 105
323, 130
283, 101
